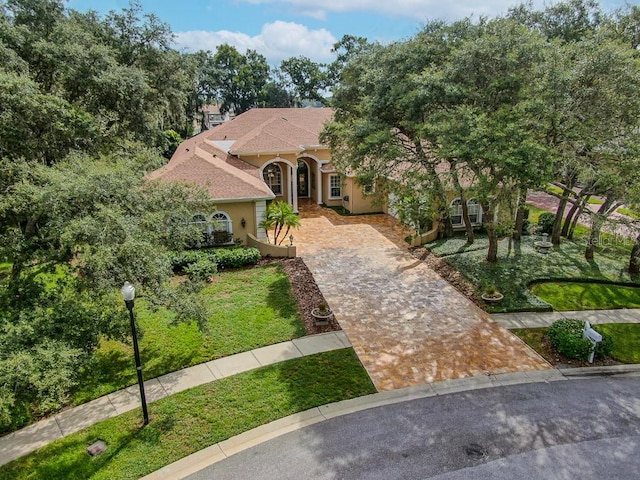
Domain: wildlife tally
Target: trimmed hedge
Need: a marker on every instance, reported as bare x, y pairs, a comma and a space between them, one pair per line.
221, 257
566, 337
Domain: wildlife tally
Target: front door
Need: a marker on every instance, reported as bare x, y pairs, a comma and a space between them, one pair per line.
303, 179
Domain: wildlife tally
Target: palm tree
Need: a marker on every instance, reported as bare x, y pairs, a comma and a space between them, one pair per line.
278, 216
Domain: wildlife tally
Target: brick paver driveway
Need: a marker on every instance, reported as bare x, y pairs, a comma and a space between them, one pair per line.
406, 323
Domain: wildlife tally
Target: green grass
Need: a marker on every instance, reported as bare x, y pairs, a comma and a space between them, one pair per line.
535, 338
625, 337
626, 340
565, 296
629, 213
521, 265
194, 419
249, 309
5, 268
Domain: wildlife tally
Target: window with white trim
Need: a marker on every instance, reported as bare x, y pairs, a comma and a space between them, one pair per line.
272, 176
222, 229
335, 187
455, 212
368, 188
475, 211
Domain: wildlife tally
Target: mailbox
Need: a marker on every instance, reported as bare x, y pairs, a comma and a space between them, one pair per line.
593, 336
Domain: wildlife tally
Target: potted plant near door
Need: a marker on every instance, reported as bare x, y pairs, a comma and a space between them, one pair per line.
322, 313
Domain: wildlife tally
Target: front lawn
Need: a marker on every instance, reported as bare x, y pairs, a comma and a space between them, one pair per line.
565, 296
520, 264
250, 308
194, 419
625, 338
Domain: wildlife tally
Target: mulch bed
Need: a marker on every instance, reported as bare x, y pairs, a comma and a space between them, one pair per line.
449, 273
307, 294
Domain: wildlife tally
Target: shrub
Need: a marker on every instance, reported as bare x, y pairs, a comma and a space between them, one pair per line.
566, 337
181, 260
201, 270
605, 347
545, 222
222, 257
236, 257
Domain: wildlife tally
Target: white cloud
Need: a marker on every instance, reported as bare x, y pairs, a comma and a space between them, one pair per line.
418, 9
277, 41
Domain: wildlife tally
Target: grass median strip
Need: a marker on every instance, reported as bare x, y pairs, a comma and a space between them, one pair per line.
565, 296
194, 419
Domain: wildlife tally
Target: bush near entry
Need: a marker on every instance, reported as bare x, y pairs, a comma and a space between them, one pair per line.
567, 338
222, 257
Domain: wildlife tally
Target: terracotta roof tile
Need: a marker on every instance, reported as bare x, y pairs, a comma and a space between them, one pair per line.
215, 172
204, 160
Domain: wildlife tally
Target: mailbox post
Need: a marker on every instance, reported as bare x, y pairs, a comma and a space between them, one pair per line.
593, 336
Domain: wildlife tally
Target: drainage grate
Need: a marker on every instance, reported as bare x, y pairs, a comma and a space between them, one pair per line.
475, 451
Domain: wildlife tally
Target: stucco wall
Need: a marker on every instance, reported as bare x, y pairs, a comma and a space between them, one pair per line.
237, 211
270, 250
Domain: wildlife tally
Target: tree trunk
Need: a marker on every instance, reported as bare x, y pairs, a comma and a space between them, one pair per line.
465, 208
596, 225
557, 224
467, 222
568, 220
634, 260
490, 227
520, 215
576, 218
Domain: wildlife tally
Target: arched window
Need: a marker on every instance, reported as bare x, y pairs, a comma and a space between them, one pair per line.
455, 212
272, 176
475, 211
221, 225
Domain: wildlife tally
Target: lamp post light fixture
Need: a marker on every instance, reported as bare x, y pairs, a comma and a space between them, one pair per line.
129, 293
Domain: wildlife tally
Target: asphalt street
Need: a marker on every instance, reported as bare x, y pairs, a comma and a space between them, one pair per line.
582, 429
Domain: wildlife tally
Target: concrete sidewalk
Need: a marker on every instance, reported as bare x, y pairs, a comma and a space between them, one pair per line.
545, 319
218, 452
22, 442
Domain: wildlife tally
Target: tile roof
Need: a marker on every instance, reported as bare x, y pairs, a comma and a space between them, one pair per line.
273, 129
211, 158
221, 175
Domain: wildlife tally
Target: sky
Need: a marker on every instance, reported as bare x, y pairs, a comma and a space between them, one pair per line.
281, 29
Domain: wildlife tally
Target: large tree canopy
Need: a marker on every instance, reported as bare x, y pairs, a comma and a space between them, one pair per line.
73, 233
501, 106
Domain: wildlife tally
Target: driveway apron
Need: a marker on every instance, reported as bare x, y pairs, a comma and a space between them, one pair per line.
406, 323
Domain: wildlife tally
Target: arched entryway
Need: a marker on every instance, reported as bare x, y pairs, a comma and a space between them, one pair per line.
303, 179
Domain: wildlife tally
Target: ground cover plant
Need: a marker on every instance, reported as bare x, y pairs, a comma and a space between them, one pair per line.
196, 418
247, 309
520, 264
564, 296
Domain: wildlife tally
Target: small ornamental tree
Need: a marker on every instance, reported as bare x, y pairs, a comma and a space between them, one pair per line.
280, 218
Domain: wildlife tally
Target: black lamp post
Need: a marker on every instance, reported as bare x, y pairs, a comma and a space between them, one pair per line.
129, 293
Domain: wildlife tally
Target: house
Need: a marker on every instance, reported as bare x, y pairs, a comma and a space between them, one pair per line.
268, 154
209, 116
259, 156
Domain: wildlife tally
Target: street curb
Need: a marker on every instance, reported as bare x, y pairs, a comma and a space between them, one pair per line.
215, 453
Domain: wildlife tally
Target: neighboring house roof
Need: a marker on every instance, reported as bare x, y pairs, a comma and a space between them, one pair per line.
212, 160
221, 175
